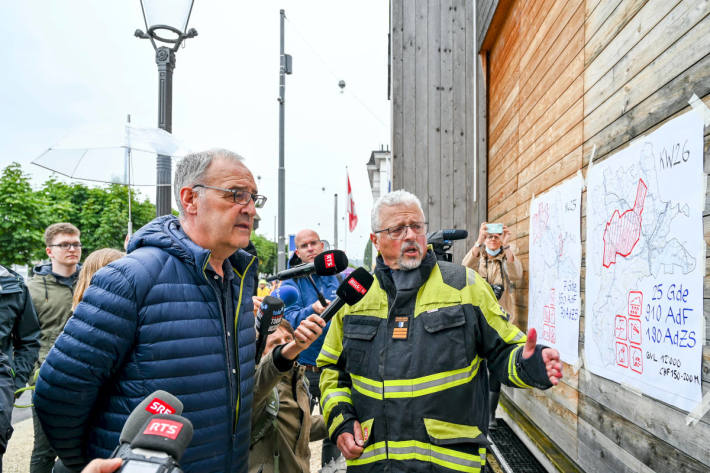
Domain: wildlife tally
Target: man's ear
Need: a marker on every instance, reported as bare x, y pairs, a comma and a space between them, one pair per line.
49, 252
189, 200
373, 239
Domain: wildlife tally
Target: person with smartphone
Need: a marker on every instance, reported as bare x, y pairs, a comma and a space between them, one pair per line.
494, 259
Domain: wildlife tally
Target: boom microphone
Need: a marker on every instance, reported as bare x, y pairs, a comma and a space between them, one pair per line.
268, 318
454, 234
158, 446
159, 402
350, 291
328, 263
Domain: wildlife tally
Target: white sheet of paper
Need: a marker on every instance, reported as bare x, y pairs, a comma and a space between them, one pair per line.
645, 264
555, 259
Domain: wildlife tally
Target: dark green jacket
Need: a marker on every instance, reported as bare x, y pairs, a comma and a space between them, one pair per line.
421, 400
19, 328
52, 301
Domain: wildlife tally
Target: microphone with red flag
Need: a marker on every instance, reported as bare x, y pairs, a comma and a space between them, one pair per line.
350, 291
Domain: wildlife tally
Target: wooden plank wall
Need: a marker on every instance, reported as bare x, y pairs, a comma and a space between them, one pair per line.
566, 76
433, 48
643, 60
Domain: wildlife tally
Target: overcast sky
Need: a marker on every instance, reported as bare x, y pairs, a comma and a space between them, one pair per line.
73, 63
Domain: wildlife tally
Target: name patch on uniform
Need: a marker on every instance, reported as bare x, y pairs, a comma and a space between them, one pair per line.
401, 328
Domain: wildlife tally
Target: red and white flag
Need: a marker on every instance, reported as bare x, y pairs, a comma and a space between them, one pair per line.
352, 216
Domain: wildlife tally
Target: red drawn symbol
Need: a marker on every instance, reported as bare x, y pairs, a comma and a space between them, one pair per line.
636, 359
635, 303
622, 354
620, 327
623, 231
635, 331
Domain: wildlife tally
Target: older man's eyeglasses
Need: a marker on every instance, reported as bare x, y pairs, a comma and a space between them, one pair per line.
400, 231
66, 246
241, 197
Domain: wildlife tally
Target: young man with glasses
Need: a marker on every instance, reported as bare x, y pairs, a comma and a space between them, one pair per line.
174, 314
401, 384
52, 290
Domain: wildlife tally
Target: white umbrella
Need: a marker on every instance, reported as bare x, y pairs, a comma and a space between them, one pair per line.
125, 156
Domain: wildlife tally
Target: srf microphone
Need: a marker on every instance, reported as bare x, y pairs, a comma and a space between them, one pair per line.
158, 446
159, 402
328, 263
288, 294
350, 291
268, 319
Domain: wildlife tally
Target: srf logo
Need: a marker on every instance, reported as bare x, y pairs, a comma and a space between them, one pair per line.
158, 406
357, 286
329, 260
163, 428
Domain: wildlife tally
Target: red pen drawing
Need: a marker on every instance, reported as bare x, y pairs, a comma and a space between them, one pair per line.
623, 231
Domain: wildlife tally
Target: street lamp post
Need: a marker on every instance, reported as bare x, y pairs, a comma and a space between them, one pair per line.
166, 27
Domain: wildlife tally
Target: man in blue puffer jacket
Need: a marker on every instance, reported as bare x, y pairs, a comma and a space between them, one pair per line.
174, 314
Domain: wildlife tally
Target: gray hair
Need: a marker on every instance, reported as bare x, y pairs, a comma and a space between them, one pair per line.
192, 169
398, 197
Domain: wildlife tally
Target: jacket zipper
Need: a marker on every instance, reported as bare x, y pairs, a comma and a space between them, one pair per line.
224, 338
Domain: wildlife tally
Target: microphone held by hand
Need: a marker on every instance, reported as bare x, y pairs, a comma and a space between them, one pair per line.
268, 319
350, 291
328, 263
158, 446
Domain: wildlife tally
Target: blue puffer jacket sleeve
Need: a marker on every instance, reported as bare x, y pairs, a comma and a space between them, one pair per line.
104, 326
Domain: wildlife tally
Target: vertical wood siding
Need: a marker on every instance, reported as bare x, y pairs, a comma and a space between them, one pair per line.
433, 115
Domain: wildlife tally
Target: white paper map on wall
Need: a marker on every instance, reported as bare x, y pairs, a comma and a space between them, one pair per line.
645, 265
555, 261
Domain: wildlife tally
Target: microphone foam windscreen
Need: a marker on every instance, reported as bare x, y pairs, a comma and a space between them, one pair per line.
330, 263
273, 308
158, 402
455, 234
167, 433
355, 286
288, 294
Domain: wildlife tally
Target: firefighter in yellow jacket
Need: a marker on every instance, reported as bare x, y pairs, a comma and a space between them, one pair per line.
401, 387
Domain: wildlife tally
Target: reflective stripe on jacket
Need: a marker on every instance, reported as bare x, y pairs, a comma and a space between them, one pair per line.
421, 401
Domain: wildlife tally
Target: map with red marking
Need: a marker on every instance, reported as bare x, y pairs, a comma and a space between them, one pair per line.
645, 255
623, 231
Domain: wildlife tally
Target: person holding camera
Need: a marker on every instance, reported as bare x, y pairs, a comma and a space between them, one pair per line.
494, 259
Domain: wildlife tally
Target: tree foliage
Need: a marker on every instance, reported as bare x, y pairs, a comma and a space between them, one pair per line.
100, 213
20, 217
266, 249
367, 258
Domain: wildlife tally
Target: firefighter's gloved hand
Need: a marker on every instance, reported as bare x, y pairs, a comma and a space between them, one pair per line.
351, 445
550, 357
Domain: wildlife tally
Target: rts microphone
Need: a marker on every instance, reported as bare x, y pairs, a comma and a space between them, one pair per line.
350, 291
159, 402
158, 445
288, 294
328, 263
268, 318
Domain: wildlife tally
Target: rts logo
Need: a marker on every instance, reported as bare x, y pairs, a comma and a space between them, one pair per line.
357, 286
158, 406
163, 428
329, 260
